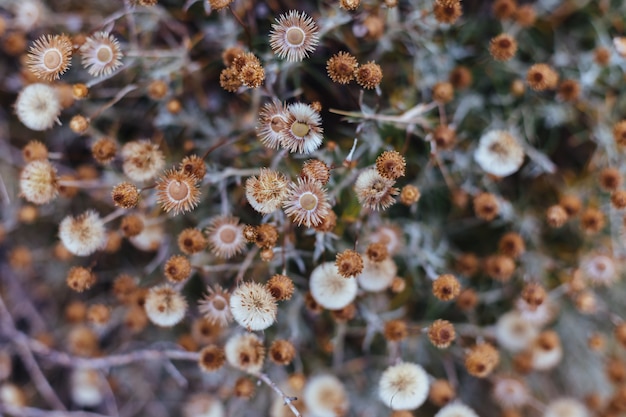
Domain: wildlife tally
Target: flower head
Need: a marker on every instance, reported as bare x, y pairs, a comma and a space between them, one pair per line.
142, 160
302, 132
246, 352
225, 236
294, 36
84, 234
215, 306
403, 386
272, 121
341, 67
38, 106
50, 56
329, 289
375, 191
456, 410
566, 407
266, 192
306, 203
165, 306
499, 153
101, 54
39, 182
178, 191
325, 395
253, 306
377, 276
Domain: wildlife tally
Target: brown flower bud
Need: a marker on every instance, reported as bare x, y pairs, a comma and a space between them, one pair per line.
80, 279
441, 333
280, 286
481, 360
512, 244
467, 300
377, 252
125, 195
395, 330
211, 358
500, 267
282, 352
244, 388
441, 392
486, 206
177, 268
131, 225
556, 216
349, 263
446, 287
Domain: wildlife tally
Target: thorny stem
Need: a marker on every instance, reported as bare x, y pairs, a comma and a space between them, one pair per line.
288, 400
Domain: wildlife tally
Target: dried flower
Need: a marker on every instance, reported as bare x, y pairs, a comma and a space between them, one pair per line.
142, 160
132, 225
441, 333
377, 276
486, 206
456, 410
245, 352
341, 67
515, 333
569, 90
500, 267
369, 75
164, 306
272, 121
101, 54
266, 192
441, 392
592, 221
569, 407
512, 244
80, 279
215, 306
306, 203
294, 36
374, 191
395, 330
447, 11
253, 306
280, 286
325, 395
84, 234
556, 216
125, 195
50, 56
329, 289
610, 179
503, 47
212, 358
302, 132
104, 150
177, 268
499, 153
191, 241
541, 77
282, 352
193, 165
481, 360
403, 386
38, 106
225, 236
377, 252
34, 150
446, 287
178, 191
315, 170
409, 195
349, 263
391, 165
39, 182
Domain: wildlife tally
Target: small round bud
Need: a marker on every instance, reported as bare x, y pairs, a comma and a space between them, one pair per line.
79, 124
377, 252
486, 206
244, 388
80, 279
157, 89
177, 269
282, 352
80, 91
395, 330
211, 358
541, 77
281, 287
503, 47
191, 241
349, 263
610, 179
441, 392
409, 195
556, 216
104, 150
174, 106
267, 254
500, 267
443, 92
125, 195
441, 333
98, 314
369, 75
592, 221
446, 287
131, 225
481, 360
391, 165
34, 151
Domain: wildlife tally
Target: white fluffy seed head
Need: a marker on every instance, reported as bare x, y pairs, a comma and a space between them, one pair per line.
499, 153
329, 289
514, 333
253, 306
38, 106
164, 306
404, 386
203, 405
377, 276
566, 407
84, 234
87, 389
246, 352
325, 396
39, 182
510, 392
456, 410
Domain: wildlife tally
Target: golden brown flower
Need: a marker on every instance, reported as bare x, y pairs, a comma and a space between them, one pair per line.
446, 287
349, 263
193, 165
395, 330
391, 165
34, 150
486, 206
177, 268
610, 179
512, 244
504, 9
211, 358
125, 195
541, 77
503, 47
443, 92
341, 67
592, 220
481, 360
441, 333
316, 170
132, 225
441, 392
80, 279
280, 286
282, 352
447, 11
191, 241
460, 77
104, 150
556, 216
569, 90
369, 75
500, 267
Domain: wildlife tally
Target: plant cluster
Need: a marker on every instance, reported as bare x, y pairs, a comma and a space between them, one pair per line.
323, 209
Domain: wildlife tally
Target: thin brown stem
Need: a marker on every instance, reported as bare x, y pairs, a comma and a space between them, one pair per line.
288, 400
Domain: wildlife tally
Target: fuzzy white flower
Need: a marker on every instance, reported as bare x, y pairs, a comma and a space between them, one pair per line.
253, 306
566, 407
510, 392
456, 410
331, 290
302, 132
101, 54
142, 160
164, 306
86, 385
84, 234
38, 106
246, 352
325, 396
599, 269
499, 153
203, 405
377, 276
403, 386
225, 236
514, 333
294, 36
